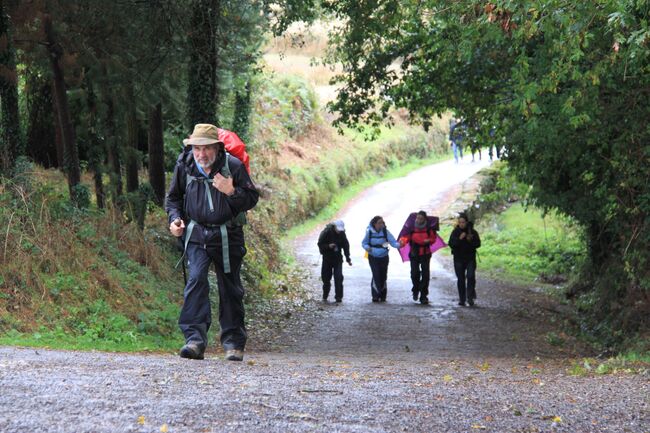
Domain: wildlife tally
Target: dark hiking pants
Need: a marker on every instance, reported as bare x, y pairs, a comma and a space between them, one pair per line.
420, 274
196, 313
379, 268
466, 274
332, 268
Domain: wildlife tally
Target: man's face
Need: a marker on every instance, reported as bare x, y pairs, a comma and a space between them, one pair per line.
419, 220
462, 223
205, 156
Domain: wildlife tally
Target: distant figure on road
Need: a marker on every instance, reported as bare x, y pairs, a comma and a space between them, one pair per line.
331, 242
376, 243
456, 136
464, 241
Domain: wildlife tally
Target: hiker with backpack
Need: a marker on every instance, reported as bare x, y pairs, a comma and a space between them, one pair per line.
206, 203
464, 241
457, 132
331, 242
420, 238
376, 243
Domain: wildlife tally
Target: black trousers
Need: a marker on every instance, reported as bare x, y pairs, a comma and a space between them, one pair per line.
332, 268
196, 314
466, 274
379, 268
420, 274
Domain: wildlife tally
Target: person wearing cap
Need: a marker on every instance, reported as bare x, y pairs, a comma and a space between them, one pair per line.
209, 193
331, 242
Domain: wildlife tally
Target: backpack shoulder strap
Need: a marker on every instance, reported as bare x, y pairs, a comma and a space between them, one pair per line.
225, 170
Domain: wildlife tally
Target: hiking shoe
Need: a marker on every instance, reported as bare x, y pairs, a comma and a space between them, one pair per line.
338, 300
471, 302
375, 299
462, 304
382, 299
234, 355
415, 296
191, 351
424, 300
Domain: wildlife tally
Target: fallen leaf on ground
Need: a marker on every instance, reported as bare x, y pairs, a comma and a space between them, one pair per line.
478, 427
447, 378
164, 428
141, 420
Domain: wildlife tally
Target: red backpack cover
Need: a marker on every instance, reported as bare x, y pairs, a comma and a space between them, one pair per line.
235, 147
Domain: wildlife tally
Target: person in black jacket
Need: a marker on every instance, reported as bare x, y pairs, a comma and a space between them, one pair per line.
331, 242
206, 201
464, 241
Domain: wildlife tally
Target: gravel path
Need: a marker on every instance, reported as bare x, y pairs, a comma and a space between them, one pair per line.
350, 367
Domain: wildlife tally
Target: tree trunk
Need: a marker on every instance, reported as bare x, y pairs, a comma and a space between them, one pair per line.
202, 89
241, 119
58, 137
112, 152
132, 158
10, 120
41, 139
71, 155
157, 154
95, 151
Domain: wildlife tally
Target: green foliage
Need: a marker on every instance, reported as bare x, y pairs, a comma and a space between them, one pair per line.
528, 245
564, 86
79, 279
286, 105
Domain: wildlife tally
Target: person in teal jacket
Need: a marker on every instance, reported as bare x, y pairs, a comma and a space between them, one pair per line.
376, 242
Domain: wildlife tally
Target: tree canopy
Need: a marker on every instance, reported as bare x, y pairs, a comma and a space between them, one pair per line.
564, 85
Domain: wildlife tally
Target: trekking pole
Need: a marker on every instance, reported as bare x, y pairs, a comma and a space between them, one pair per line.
184, 273
177, 223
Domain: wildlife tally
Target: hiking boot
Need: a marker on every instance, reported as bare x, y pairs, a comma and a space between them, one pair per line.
462, 304
382, 299
325, 296
415, 296
338, 300
234, 355
375, 299
424, 300
191, 351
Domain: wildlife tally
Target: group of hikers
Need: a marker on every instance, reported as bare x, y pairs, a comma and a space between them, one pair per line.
460, 137
209, 195
464, 240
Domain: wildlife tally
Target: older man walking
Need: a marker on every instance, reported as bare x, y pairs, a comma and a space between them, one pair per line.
206, 201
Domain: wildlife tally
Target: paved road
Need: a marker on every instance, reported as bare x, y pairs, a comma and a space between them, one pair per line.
356, 367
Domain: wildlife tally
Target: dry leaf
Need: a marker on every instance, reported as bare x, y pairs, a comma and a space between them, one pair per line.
557, 419
164, 428
447, 378
141, 420
478, 427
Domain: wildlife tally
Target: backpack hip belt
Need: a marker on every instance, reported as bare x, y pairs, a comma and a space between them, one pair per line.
225, 247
